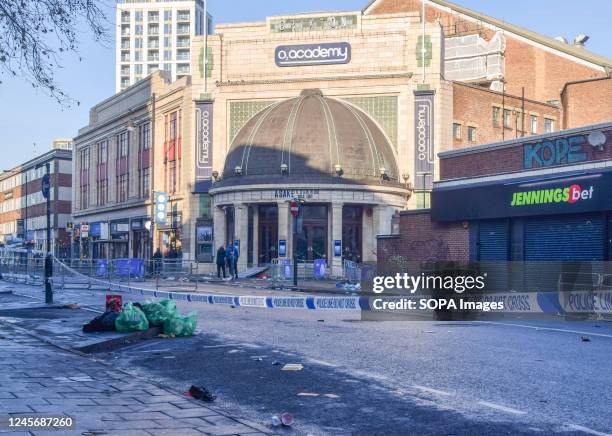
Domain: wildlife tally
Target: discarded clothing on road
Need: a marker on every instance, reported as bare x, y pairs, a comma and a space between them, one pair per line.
102, 323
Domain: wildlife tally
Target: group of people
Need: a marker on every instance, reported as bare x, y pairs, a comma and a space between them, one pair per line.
228, 257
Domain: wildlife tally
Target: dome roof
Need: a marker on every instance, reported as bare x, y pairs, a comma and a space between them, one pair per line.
312, 138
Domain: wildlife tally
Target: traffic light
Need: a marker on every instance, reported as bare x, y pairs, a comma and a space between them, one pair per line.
161, 208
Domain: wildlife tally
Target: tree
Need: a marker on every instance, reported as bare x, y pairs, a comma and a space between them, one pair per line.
34, 34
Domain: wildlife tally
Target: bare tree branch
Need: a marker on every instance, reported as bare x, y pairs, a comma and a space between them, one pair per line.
34, 34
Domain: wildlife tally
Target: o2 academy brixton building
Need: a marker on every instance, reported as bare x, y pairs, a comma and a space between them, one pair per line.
344, 112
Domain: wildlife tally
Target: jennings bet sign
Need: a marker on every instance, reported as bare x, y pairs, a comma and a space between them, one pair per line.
313, 54
570, 194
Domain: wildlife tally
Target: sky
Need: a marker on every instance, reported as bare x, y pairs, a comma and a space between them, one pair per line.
30, 120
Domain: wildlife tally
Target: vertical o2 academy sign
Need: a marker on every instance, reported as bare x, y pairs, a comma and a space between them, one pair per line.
204, 136
313, 54
424, 139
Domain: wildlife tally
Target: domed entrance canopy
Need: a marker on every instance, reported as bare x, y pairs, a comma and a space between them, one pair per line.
310, 138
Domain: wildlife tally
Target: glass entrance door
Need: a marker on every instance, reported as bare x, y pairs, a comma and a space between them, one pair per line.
311, 241
268, 234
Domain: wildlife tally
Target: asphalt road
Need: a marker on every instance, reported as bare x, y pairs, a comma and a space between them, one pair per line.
396, 377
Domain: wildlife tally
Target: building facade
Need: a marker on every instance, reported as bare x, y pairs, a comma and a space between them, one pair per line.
344, 112
23, 209
153, 35
544, 198
136, 144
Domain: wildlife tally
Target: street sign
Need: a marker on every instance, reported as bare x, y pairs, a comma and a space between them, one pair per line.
46, 186
295, 209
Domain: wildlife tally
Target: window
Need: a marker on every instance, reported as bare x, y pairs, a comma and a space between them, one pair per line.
182, 29
153, 56
138, 29
102, 175
182, 55
138, 69
172, 150
125, 17
125, 70
457, 131
534, 124
153, 68
471, 130
168, 15
172, 177
153, 43
167, 55
122, 188
138, 42
496, 116
507, 118
549, 125
145, 182
145, 136
153, 29
182, 15
138, 15
125, 56
122, 145
182, 69
85, 162
167, 67
137, 56
167, 42
153, 16
167, 28
182, 41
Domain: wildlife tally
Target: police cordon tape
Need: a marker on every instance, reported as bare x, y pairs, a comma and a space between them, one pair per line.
516, 302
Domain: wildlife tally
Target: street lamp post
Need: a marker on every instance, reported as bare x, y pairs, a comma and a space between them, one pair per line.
46, 191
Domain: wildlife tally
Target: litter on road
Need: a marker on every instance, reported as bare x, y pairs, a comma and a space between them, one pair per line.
293, 367
200, 393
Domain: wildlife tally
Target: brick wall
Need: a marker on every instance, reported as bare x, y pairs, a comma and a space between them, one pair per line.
542, 73
587, 102
420, 239
507, 158
473, 106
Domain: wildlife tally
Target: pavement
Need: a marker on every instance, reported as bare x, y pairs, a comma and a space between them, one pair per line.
394, 377
40, 376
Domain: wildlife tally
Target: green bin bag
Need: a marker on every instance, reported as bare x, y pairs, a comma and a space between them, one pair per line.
158, 313
178, 325
132, 319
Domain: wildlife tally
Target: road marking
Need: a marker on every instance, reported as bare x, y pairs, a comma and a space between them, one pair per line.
586, 430
502, 408
431, 390
551, 329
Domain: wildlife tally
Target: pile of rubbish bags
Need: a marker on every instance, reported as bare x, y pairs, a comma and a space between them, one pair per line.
137, 317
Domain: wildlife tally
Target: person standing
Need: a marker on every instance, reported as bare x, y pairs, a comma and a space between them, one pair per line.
229, 260
157, 261
221, 261
234, 259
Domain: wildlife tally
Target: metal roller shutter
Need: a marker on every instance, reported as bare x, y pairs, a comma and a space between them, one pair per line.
493, 253
493, 240
565, 239
555, 248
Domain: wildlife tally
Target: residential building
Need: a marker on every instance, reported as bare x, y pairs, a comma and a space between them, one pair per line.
23, 209
153, 35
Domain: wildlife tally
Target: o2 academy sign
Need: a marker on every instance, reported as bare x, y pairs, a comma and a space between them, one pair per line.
313, 54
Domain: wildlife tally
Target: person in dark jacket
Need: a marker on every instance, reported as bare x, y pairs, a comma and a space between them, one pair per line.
229, 259
221, 261
157, 262
232, 254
